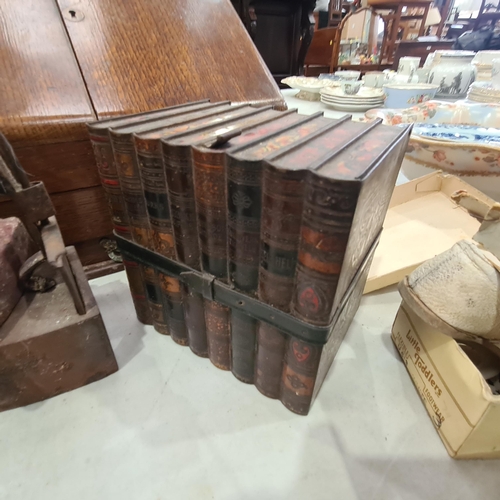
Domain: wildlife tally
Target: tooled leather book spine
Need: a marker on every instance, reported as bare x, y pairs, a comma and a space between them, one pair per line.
157, 204
243, 346
282, 201
244, 201
243, 233
131, 186
111, 185
299, 374
341, 220
137, 287
269, 360
179, 177
178, 171
218, 334
210, 198
326, 225
244, 197
194, 315
333, 209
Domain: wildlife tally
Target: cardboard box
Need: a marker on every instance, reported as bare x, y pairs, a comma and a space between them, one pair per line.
426, 216
461, 405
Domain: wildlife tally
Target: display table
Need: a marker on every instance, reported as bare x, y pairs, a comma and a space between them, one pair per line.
169, 425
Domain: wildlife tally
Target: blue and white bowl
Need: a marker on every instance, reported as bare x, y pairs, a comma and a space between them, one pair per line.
402, 95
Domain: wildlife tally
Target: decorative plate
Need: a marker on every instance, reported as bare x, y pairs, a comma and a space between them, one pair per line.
457, 132
308, 84
465, 139
350, 107
364, 93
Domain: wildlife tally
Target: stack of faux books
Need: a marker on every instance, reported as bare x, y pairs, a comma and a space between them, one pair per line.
247, 233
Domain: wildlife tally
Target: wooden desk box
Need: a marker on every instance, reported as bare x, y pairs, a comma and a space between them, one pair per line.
65, 63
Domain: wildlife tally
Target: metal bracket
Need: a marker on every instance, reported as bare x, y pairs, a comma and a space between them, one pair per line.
213, 289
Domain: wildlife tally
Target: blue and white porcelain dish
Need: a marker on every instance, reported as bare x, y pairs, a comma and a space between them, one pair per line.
457, 133
461, 138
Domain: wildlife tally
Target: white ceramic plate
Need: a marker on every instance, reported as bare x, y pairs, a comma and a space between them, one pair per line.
351, 107
347, 100
364, 93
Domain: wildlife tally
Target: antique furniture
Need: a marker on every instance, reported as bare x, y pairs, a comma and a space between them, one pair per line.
282, 31
419, 49
337, 9
361, 41
322, 54
488, 12
400, 12
66, 63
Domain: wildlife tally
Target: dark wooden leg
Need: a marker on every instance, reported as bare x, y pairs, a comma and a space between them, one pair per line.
307, 30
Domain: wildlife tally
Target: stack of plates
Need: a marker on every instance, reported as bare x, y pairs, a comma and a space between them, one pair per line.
483, 63
367, 98
483, 92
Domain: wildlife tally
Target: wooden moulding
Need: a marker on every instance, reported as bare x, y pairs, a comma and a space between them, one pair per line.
46, 348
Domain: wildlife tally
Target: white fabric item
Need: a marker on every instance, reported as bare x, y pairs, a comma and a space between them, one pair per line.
322, 5
462, 287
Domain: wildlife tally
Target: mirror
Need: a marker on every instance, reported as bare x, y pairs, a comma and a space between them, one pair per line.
361, 38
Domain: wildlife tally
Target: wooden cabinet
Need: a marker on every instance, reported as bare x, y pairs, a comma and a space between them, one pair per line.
397, 20
67, 62
419, 49
281, 30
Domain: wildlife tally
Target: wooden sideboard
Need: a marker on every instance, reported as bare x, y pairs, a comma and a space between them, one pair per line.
67, 62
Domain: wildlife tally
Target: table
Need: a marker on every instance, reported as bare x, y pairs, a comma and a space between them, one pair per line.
169, 425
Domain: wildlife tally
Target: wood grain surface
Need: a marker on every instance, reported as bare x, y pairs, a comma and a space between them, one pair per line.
141, 55
82, 214
43, 94
62, 166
